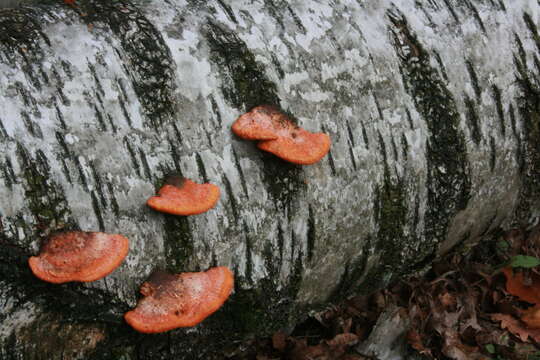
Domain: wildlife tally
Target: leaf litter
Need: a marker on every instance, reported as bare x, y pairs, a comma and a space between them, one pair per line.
476, 303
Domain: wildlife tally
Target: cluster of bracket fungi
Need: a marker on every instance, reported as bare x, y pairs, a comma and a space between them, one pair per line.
176, 300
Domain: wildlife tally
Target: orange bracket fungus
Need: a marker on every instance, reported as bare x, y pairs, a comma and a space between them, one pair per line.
280, 136
181, 196
180, 300
79, 256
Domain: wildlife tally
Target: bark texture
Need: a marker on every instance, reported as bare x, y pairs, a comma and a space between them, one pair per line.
432, 107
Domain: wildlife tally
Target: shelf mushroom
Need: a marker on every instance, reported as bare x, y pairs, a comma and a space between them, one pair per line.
180, 300
278, 135
79, 256
181, 196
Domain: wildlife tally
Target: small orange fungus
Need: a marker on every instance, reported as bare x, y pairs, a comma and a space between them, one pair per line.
180, 300
79, 256
181, 196
280, 136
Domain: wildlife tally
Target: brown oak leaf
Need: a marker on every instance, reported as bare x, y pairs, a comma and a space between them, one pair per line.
279, 341
531, 317
415, 340
346, 339
517, 286
517, 327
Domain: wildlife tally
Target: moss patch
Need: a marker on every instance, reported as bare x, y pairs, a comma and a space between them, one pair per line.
44, 197
245, 84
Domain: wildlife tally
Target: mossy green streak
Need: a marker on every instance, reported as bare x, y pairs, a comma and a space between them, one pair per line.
448, 178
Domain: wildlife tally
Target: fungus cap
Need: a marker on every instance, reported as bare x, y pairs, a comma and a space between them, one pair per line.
298, 147
280, 136
181, 196
79, 256
259, 123
180, 300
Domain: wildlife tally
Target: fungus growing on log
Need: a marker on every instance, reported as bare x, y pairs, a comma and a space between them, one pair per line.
181, 196
259, 123
180, 300
280, 136
79, 256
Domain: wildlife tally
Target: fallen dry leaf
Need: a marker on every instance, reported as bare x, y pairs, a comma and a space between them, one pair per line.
316, 352
516, 238
347, 325
279, 341
516, 327
347, 339
447, 300
353, 357
415, 340
518, 286
531, 317
455, 349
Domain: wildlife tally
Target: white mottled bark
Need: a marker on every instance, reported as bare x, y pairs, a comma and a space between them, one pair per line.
431, 111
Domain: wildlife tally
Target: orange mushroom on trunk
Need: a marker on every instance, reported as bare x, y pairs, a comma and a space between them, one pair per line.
181, 196
79, 256
280, 136
298, 147
259, 123
180, 300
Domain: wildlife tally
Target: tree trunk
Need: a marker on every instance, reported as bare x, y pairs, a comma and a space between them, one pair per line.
432, 108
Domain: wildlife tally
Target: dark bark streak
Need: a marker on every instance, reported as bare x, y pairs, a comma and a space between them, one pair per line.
232, 200
473, 121
240, 172
150, 65
477, 17
311, 235
249, 87
528, 107
496, 92
474, 80
201, 167
448, 168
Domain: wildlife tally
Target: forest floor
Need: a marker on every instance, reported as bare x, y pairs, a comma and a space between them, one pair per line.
482, 302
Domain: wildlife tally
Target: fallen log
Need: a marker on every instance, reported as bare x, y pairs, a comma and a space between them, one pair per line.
432, 109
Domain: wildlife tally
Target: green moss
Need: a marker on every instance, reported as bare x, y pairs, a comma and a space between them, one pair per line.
391, 217
178, 242
44, 197
248, 85
21, 36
